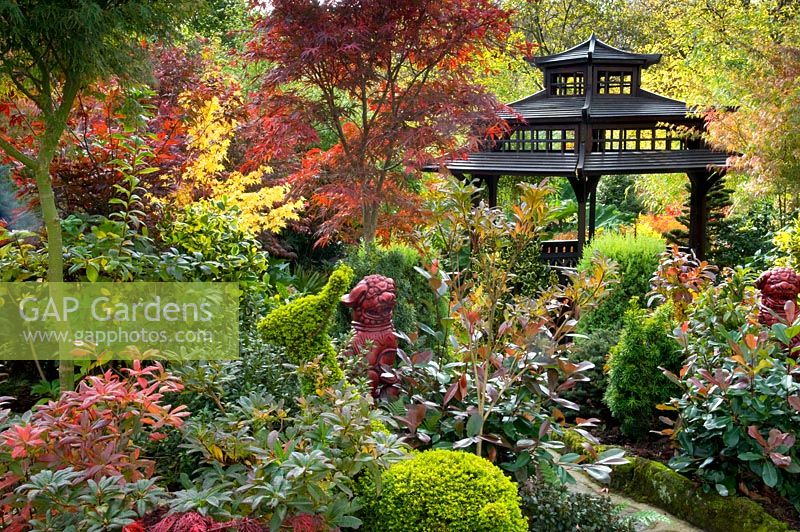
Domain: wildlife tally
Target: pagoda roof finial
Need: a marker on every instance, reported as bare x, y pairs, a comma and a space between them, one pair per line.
595, 50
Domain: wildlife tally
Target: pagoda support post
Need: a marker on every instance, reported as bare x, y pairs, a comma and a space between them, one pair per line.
592, 185
701, 183
581, 189
491, 186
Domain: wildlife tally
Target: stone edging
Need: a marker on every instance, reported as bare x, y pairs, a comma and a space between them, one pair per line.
654, 483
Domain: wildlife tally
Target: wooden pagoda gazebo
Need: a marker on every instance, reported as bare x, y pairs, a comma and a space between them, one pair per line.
593, 119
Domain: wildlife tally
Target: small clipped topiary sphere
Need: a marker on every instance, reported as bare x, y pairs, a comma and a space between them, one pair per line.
448, 491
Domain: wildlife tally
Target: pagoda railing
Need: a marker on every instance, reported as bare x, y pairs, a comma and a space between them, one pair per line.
561, 253
564, 255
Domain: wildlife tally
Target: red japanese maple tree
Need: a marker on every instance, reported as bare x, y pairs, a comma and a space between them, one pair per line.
391, 82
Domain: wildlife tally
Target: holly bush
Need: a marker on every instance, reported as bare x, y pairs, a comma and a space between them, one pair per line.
588, 395
530, 273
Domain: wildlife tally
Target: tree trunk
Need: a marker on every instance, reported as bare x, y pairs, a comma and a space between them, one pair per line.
56, 123
370, 223
55, 120
55, 258
52, 224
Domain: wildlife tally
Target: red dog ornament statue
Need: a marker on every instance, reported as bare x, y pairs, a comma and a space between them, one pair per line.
373, 300
778, 286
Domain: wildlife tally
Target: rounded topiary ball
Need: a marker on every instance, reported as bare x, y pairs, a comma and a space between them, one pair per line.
447, 491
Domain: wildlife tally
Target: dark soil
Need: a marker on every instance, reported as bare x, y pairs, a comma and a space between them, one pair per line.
654, 447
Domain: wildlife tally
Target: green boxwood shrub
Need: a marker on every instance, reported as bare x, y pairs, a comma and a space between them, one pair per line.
301, 326
446, 490
635, 382
637, 258
415, 300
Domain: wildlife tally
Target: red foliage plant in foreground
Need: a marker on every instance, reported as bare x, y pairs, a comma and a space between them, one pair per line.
92, 429
194, 522
389, 83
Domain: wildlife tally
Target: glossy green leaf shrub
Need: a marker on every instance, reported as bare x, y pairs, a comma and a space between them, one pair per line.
215, 246
550, 507
635, 382
415, 301
501, 395
636, 257
739, 410
301, 326
447, 490
266, 460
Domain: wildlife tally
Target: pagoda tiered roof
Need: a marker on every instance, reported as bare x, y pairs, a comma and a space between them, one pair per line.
595, 50
593, 118
593, 164
538, 107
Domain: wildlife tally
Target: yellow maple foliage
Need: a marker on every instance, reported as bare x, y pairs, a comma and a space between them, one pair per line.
264, 208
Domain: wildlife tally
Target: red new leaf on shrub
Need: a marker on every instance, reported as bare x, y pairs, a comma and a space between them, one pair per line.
794, 401
780, 460
92, 429
752, 430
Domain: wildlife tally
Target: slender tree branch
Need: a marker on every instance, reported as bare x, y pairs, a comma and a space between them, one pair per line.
17, 154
